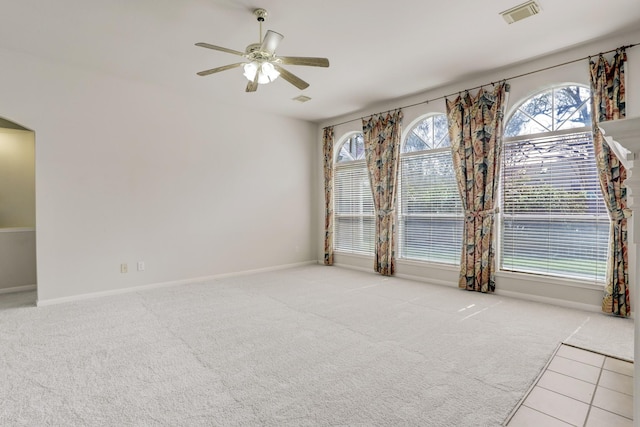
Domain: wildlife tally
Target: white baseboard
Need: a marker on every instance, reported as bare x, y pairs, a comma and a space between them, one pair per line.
510, 294
23, 288
550, 301
449, 284
52, 301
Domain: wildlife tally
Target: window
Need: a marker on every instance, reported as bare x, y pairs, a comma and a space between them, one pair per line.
554, 221
430, 216
353, 210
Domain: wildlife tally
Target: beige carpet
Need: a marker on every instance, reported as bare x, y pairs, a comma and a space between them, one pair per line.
302, 347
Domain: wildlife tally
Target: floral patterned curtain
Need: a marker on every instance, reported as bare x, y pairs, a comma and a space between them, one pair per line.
382, 152
475, 130
608, 103
327, 150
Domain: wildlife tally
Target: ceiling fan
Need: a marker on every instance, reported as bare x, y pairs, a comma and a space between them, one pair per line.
264, 66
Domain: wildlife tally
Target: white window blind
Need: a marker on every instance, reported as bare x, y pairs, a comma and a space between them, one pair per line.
354, 219
430, 210
554, 220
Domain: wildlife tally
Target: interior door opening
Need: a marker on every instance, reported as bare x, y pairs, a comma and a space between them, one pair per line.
18, 269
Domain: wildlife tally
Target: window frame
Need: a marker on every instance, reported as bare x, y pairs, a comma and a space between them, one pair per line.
400, 241
593, 282
350, 164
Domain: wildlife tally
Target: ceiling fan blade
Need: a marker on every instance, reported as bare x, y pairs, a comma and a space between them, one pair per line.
222, 49
271, 41
302, 60
253, 86
291, 78
218, 69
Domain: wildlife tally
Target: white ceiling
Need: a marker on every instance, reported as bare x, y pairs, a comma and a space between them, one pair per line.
379, 50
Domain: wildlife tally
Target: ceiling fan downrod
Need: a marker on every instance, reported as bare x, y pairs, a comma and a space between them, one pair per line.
261, 15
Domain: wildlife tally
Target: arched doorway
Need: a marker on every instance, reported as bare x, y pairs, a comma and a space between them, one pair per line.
18, 271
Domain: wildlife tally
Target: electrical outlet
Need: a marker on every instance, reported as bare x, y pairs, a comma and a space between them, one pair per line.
140, 265
124, 268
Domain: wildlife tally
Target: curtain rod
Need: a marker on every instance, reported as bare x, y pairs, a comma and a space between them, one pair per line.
491, 83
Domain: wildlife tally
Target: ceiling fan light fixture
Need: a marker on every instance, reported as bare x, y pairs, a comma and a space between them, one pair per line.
266, 72
250, 70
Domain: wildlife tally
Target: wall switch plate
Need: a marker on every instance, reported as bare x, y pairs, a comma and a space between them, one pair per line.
124, 268
140, 265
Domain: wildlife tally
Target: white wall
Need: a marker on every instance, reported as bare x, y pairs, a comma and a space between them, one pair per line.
564, 292
17, 178
127, 171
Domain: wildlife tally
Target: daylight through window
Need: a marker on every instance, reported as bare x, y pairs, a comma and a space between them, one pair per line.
554, 220
430, 211
353, 210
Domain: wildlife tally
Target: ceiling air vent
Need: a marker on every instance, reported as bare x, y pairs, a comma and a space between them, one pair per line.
302, 98
521, 12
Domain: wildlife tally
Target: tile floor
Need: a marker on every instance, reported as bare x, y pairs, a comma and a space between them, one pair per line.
579, 388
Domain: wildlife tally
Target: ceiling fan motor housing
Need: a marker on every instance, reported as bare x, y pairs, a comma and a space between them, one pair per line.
253, 47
